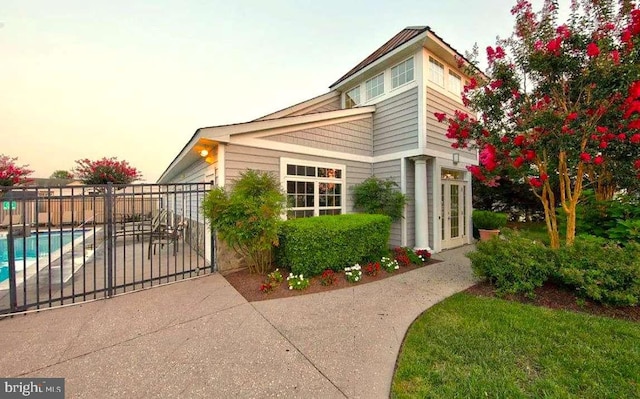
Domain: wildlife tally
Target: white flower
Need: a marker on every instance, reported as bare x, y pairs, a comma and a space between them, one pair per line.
301, 277
291, 287
397, 267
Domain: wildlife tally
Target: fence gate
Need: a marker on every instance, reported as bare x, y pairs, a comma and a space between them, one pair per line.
61, 245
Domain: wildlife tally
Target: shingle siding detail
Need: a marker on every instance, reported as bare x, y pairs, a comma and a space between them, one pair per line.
352, 137
436, 131
239, 158
395, 123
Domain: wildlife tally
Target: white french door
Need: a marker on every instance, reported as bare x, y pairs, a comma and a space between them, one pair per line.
453, 213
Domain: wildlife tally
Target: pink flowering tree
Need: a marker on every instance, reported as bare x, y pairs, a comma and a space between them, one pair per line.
559, 106
10, 173
106, 170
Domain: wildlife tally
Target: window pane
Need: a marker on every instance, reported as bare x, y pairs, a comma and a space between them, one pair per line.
311, 171
436, 72
375, 86
338, 189
338, 174
291, 187
310, 200
300, 170
309, 188
291, 170
455, 83
322, 172
338, 200
352, 97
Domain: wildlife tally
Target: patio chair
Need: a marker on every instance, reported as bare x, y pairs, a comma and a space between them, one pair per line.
16, 218
43, 218
165, 235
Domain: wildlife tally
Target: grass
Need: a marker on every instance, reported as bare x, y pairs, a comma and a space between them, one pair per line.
472, 347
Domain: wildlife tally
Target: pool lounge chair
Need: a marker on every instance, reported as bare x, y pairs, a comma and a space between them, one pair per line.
16, 218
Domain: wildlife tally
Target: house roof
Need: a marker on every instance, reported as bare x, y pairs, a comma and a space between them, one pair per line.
398, 40
401, 38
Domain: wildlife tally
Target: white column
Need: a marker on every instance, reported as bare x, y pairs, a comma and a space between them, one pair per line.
422, 214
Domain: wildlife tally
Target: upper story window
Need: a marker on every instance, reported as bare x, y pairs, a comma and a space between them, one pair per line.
402, 73
455, 83
352, 97
375, 86
436, 72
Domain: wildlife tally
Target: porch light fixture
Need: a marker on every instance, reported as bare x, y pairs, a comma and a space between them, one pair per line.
204, 153
456, 158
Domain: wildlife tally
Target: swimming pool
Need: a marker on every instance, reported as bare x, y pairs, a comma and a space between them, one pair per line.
33, 247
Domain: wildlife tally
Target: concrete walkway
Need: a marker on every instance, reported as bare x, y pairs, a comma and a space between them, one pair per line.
200, 338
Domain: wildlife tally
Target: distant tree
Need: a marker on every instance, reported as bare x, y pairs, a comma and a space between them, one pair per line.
61, 174
106, 170
10, 173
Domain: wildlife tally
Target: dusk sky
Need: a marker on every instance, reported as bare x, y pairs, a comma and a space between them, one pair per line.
135, 79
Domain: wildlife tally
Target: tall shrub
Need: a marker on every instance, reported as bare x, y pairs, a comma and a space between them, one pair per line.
246, 217
106, 170
378, 196
10, 173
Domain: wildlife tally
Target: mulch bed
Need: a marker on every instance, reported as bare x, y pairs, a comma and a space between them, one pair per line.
554, 296
248, 284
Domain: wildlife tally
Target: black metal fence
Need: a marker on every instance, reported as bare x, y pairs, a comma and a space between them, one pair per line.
61, 245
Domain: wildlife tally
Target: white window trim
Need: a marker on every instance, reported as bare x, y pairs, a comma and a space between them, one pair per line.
384, 83
359, 87
342, 180
451, 73
445, 90
408, 81
444, 71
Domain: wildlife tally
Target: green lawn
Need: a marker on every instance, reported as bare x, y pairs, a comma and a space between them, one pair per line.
471, 347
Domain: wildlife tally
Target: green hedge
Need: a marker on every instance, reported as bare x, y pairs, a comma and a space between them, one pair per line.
514, 264
312, 245
601, 270
595, 268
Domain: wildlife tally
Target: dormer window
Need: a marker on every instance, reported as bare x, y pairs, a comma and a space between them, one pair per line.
402, 73
455, 83
352, 97
436, 72
375, 86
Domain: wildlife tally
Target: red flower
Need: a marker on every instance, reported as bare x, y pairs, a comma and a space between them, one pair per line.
592, 50
584, 157
635, 124
563, 30
603, 145
544, 177
519, 140
615, 55
572, 116
504, 139
635, 139
598, 160
530, 155
554, 45
622, 136
602, 129
440, 116
518, 162
634, 90
535, 182
636, 164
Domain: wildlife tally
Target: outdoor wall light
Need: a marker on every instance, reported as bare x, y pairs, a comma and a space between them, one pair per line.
456, 158
204, 153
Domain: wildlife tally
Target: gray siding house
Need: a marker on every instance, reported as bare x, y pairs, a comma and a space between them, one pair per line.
378, 120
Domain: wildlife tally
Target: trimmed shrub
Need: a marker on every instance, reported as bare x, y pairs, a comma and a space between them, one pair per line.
601, 270
311, 245
487, 220
379, 196
514, 264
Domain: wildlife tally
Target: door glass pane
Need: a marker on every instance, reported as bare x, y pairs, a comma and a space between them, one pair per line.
455, 211
463, 210
442, 194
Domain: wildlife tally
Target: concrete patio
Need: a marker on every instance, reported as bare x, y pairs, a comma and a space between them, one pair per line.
200, 338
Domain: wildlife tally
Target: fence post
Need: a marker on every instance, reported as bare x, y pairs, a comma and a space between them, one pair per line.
13, 298
109, 246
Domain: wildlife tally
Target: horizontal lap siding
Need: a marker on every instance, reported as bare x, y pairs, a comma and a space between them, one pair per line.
334, 105
433, 223
436, 131
395, 123
411, 203
194, 173
352, 137
239, 158
391, 170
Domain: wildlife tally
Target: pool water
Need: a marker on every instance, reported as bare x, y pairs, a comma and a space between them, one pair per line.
33, 247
